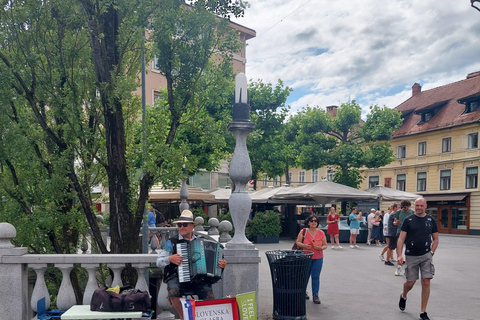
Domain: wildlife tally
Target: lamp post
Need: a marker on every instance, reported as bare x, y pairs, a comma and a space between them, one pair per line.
241, 274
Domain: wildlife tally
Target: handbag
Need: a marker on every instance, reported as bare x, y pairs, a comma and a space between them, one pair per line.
129, 299
295, 247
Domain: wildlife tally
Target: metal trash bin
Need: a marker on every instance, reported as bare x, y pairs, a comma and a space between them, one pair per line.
289, 270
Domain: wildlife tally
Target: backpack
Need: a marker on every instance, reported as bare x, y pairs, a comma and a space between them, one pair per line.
348, 220
159, 219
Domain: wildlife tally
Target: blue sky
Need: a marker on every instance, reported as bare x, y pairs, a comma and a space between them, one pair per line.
371, 51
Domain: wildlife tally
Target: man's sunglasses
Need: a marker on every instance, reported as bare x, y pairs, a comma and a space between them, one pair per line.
185, 224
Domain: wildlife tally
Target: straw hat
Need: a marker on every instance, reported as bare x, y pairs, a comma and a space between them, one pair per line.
186, 216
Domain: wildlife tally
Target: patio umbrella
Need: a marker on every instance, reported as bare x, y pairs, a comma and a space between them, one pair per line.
267, 195
391, 194
325, 192
158, 194
221, 195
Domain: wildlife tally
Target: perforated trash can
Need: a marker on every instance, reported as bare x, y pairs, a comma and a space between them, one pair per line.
289, 270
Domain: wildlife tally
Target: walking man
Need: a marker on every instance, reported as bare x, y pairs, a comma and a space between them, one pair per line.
420, 236
400, 216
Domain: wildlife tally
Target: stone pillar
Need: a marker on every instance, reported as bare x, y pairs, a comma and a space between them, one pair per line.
13, 278
184, 196
242, 271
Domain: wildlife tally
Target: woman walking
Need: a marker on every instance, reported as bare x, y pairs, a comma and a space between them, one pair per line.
313, 239
332, 220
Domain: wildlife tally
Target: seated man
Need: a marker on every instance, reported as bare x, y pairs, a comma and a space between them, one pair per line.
170, 259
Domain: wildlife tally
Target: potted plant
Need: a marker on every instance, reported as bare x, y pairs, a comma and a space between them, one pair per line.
265, 227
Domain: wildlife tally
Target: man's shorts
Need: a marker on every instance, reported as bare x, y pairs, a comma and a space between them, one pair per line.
354, 231
392, 244
421, 263
178, 290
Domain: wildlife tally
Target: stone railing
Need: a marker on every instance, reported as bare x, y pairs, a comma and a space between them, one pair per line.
19, 302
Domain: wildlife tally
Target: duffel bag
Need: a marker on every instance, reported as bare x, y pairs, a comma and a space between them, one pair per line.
129, 299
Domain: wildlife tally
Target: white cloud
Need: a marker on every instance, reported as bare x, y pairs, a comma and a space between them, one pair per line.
372, 51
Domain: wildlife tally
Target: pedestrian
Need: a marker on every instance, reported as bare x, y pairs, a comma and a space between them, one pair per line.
400, 216
354, 227
370, 216
333, 230
313, 239
376, 229
391, 236
420, 235
385, 233
151, 220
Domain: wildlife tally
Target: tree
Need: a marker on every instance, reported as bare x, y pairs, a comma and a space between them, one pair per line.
266, 144
344, 143
68, 70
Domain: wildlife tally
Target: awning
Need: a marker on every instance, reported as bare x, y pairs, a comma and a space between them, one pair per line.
445, 197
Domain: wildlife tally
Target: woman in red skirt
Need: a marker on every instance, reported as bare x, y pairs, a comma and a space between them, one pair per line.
332, 220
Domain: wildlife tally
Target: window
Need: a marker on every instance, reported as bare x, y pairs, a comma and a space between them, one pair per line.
471, 180
315, 175
422, 148
447, 144
330, 174
421, 181
201, 180
471, 106
264, 180
401, 151
155, 64
473, 140
401, 180
445, 179
276, 181
373, 181
223, 180
301, 177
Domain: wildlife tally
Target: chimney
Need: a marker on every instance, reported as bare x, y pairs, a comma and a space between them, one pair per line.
416, 89
332, 110
473, 75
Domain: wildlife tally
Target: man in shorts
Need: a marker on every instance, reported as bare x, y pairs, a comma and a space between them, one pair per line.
403, 212
391, 235
420, 235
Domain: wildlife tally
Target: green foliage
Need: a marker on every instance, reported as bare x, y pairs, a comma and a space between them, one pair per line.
267, 144
198, 212
266, 223
343, 142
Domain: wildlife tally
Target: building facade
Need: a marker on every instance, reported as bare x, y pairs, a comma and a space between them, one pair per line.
437, 153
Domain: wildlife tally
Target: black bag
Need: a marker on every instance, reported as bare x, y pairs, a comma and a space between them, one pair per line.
129, 299
295, 247
348, 220
159, 217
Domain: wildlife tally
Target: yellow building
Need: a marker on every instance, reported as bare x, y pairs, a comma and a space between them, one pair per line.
437, 154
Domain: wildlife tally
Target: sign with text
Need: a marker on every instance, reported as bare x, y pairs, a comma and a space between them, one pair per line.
220, 309
247, 305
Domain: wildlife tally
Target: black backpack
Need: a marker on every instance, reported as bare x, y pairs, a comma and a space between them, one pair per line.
348, 220
159, 217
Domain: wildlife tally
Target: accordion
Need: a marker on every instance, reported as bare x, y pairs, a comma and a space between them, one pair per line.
200, 261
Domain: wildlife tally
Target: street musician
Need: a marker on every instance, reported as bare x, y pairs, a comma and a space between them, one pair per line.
171, 260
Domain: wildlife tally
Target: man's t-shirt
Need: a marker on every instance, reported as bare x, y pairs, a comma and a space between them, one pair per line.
354, 224
419, 234
400, 215
392, 229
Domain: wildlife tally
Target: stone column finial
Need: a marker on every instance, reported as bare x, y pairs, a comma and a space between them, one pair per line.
7, 233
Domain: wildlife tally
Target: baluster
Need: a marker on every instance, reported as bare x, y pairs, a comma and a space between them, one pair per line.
92, 284
164, 303
40, 290
117, 273
141, 282
66, 296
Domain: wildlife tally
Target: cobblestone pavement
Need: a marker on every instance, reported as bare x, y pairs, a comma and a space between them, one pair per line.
355, 284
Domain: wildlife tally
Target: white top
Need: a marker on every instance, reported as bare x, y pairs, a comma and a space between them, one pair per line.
83, 312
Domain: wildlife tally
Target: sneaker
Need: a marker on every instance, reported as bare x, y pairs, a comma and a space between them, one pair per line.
423, 316
339, 247
368, 243
306, 296
357, 246
388, 263
403, 302
352, 247
333, 247
398, 272
381, 257
316, 300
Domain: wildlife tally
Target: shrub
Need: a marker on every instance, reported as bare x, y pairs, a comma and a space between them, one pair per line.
265, 223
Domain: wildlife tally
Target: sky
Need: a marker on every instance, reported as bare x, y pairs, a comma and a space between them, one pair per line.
371, 51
